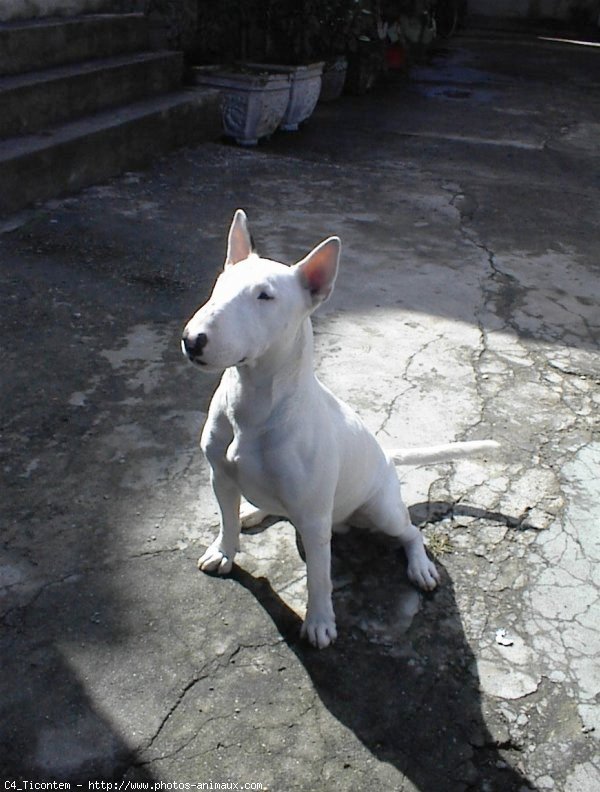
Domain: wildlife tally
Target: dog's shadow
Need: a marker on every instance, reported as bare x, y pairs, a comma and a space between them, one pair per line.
401, 676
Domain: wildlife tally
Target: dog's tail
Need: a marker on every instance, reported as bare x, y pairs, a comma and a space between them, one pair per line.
442, 453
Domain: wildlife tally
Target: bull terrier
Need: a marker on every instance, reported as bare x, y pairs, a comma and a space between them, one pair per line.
280, 438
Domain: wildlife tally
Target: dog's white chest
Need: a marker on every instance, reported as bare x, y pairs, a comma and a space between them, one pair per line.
248, 463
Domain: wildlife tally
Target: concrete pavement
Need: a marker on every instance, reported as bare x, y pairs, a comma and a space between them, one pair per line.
467, 306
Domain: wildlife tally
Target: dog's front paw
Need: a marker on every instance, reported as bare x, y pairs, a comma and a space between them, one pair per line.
215, 560
320, 631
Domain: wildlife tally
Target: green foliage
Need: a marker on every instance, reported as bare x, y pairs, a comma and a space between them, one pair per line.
285, 31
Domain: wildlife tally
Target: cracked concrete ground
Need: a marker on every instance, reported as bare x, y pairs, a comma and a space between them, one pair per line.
467, 306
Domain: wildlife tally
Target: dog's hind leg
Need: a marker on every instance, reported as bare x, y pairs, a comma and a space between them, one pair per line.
251, 517
387, 512
319, 626
421, 570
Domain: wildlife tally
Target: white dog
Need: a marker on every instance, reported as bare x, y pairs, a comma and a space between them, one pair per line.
276, 435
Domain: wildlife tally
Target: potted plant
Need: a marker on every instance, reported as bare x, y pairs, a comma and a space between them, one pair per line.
333, 78
330, 41
291, 29
253, 100
364, 41
260, 45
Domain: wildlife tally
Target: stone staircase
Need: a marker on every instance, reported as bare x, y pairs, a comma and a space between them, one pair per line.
84, 98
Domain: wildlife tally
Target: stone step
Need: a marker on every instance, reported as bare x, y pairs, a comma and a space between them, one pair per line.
35, 100
11, 10
68, 157
44, 43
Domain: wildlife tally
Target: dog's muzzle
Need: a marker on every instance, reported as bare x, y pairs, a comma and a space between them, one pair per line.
192, 347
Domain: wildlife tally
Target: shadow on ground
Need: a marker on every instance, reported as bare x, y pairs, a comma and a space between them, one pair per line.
51, 728
402, 676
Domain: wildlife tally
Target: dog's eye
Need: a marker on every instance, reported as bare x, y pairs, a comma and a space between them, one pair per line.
264, 296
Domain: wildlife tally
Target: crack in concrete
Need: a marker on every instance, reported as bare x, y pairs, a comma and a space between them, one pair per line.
210, 670
71, 575
185, 690
389, 408
25, 606
572, 372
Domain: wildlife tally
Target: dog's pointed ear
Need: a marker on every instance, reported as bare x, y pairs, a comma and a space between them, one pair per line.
239, 241
318, 270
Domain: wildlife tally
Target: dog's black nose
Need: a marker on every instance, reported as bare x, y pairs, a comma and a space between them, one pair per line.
195, 344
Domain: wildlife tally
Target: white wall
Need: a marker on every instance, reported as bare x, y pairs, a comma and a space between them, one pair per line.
29, 9
531, 9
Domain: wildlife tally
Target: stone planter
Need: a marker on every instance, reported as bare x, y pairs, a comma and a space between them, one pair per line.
304, 91
333, 79
364, 66
253, 102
